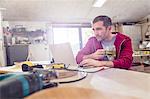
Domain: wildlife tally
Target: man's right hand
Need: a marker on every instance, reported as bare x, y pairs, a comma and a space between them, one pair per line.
99, 54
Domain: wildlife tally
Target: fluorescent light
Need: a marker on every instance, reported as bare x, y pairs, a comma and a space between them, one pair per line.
1, 9
99, 3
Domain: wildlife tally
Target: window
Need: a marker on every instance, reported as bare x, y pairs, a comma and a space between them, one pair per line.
76, 35
86, 34
71, 35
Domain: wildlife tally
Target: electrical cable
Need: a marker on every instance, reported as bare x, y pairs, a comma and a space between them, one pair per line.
71, 81
79, 70
82, 69
93, 71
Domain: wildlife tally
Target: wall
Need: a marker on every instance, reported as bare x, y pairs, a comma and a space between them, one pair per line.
134, 32
33, 25
145, 26
38, 52
117, 28
2, 49
29, 25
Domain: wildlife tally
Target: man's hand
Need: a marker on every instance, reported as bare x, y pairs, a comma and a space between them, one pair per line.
92, 62
96, 55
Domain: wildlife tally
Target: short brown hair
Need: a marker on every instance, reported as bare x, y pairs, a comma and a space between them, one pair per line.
106, 20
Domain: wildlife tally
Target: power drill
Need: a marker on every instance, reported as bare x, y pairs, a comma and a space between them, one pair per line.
16, 86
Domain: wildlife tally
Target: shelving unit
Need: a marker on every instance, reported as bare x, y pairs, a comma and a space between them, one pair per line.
147, 34
142, 62
141, 55
20, 35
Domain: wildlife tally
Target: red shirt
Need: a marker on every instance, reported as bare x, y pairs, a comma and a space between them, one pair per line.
123, 47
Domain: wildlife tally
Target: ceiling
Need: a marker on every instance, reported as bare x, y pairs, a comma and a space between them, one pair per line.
73, 11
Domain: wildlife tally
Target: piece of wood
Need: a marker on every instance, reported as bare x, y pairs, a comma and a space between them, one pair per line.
106, 84
75, 93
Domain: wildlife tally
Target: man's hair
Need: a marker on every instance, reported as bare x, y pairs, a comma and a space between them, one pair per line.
106, 20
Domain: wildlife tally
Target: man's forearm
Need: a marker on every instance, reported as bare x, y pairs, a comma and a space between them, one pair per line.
106, 63
88, 56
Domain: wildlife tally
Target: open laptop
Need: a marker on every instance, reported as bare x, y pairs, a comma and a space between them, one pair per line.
62, 53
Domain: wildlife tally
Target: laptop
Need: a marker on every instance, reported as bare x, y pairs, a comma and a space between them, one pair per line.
62, 53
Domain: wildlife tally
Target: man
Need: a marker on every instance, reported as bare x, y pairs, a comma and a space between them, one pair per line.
94, 52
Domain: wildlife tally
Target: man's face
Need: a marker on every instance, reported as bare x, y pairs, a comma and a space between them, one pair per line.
100, 31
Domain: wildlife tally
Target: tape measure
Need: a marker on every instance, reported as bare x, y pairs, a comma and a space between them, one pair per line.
28, 66
58, 65
29, 63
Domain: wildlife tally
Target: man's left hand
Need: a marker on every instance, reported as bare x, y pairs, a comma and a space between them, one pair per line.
90, 62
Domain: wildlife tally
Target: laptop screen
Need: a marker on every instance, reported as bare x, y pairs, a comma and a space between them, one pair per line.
62, 53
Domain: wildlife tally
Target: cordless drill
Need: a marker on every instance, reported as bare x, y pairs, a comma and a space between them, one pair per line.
16, 85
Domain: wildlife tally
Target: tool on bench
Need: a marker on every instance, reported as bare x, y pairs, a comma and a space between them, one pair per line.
19, 85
